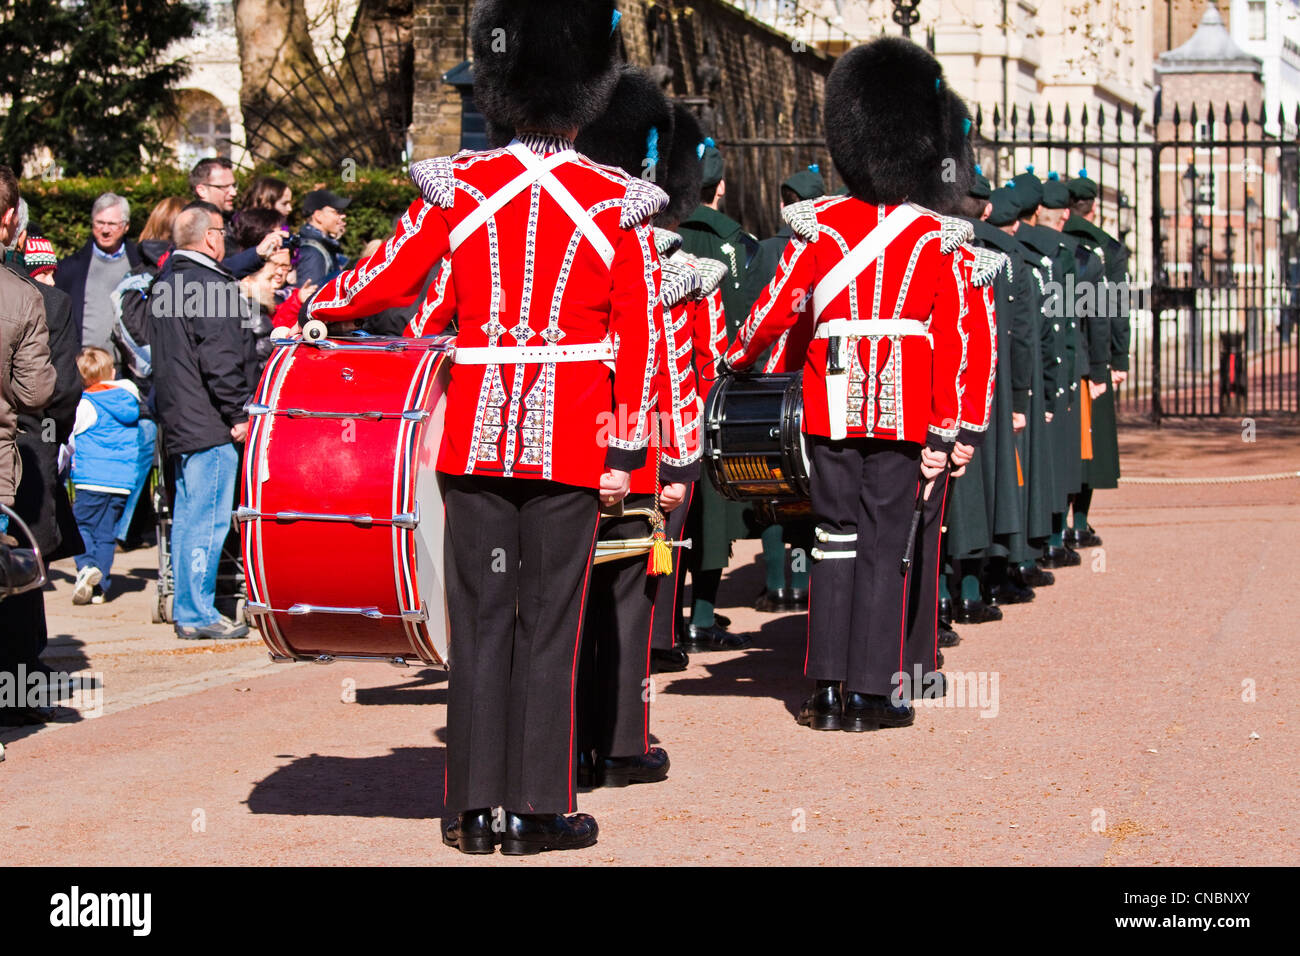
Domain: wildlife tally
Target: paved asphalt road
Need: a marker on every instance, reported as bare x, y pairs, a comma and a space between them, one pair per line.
1145, 713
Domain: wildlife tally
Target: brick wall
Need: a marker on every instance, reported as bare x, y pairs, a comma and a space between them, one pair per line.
757, 92
439, 44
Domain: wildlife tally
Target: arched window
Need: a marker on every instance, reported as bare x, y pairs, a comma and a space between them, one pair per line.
204, 128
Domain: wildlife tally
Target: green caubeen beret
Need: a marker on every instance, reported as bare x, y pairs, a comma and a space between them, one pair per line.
980, 188
807, 183
1005, 208
1029, 190
1081, 187
1056, 195
711, 166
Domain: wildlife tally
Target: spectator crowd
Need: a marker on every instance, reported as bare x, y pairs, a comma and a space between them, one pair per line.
127, 366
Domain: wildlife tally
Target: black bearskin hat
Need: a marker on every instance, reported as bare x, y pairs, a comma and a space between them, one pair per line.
635, 130
952, 177
651, 137
683, 177
543, 65
884, 117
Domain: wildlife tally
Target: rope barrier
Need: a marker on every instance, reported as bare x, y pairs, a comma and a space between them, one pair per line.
1227, 480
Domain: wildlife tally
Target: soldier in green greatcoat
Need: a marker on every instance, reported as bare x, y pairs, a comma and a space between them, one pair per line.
713, 522
1060, 344
1102, 469
712, 234
1087, 309
1007, 550
1023, 376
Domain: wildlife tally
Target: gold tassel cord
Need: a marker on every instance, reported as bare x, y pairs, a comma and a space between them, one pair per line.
661, 552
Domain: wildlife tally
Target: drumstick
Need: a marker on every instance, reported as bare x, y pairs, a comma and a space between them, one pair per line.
916, 523
921, 498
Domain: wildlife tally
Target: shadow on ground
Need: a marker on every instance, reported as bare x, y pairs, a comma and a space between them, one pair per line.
404, 784
418, 690
771, 667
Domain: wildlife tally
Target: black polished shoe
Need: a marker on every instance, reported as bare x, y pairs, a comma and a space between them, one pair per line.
528, 833
948, 637
1035, 578
821, 711
975, 612
650, 767
470, 832
699, 639
668, 661
586, 774
1009, 593
775, 602
1087, 538
945, 612
874, 711
938, 658
1060, 558
721, 620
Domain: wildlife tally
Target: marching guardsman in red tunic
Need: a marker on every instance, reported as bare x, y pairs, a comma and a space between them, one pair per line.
697, 307
881, 375
555, 282
635, 135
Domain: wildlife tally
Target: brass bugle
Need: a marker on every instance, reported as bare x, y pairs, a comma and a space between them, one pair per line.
616, 549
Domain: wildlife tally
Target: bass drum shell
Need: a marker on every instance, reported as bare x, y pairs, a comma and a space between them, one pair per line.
342, 515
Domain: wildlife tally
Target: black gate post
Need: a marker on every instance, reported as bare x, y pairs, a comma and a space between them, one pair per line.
1157, 281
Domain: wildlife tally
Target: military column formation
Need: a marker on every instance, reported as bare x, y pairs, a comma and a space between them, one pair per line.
598, 291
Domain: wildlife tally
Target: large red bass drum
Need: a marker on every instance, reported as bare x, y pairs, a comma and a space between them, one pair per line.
341, 513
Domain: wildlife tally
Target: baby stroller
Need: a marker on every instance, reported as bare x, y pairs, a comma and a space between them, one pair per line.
232, 593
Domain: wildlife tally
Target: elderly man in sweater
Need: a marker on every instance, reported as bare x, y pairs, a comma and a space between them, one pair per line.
90, 274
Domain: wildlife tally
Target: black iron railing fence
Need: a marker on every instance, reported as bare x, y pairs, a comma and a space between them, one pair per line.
1205, 198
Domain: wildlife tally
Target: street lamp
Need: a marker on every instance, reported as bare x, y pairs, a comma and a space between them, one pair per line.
1190, 184
905, 14
1230, 251
1126, 216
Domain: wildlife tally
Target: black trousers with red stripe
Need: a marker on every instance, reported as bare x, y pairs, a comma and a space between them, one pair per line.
863, 494
614, 673
668, 599
518, 559
922, 647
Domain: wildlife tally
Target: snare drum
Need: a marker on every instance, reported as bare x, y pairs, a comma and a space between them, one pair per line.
341, 514
754, 448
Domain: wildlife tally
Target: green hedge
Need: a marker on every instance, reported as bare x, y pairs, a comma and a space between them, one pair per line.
61, 208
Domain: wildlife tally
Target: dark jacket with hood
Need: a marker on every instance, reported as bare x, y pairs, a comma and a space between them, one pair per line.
201, 349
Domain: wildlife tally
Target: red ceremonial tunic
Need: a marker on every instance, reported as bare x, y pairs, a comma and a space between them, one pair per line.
899, 386
979, 335
547, 251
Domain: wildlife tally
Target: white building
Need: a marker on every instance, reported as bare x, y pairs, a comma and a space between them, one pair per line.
1270, 29
210, 121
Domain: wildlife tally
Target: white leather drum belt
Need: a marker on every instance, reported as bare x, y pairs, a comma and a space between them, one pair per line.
837, 378
843, 328
519, 354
